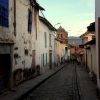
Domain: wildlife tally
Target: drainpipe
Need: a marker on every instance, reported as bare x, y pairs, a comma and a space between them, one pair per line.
11, 49
11, 67
14, 17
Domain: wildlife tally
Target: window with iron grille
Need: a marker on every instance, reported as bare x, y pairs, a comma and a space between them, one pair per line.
45, 39
49, 40
29, 20
42, 60
4, 13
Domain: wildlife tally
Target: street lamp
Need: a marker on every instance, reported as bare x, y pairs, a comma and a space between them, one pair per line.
55, 46
56, 24
54, 27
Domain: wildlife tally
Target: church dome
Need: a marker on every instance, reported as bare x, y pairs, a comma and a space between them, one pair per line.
60, 29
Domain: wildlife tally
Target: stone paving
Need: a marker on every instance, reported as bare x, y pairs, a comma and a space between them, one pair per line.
87, 87
62, 86
26, 87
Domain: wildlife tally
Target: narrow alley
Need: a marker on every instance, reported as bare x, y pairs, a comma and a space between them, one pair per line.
49, 50
70, 83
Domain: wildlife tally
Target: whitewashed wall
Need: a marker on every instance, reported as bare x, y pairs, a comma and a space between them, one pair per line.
43, 28
23, 40
23, 37
58, 49
85, 40
93, 52
91, 59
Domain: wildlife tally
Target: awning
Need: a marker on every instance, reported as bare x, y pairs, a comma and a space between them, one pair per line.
45, 21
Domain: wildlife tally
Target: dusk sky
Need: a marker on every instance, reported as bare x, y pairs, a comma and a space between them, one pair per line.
74, 15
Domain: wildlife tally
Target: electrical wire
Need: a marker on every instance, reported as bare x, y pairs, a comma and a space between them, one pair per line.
23, 3
42, 13
29, 4
41, 10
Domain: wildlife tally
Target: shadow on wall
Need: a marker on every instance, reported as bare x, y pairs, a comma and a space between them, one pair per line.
21, 75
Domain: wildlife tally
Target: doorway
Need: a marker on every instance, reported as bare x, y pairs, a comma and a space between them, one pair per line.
4, 70
50, 59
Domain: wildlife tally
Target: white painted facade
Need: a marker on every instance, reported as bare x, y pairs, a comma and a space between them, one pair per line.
23, 37
88, 37
97, 15
7, 40
43, 28
60, 51
22, 46
90, 61
93, 61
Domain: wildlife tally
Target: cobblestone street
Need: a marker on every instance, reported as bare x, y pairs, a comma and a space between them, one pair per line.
62, 86
67, 82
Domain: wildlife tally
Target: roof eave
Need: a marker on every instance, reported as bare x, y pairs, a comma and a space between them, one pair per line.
36, 5
91, 42
45, 21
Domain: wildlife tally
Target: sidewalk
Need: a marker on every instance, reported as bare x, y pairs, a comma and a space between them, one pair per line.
87, 87
29, 85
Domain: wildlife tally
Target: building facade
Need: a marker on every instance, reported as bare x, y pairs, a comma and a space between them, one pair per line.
61, 45
46, 39
25, 46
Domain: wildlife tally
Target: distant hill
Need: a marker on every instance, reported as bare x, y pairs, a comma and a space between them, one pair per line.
75, 40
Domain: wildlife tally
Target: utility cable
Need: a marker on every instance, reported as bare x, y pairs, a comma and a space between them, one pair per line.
23, 3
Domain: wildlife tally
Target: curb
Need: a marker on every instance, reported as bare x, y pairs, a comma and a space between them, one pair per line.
29, 91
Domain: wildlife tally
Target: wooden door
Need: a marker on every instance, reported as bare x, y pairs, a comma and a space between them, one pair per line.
4, 70
50, 59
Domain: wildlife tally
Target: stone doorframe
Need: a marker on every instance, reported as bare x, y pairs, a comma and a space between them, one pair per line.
7, 48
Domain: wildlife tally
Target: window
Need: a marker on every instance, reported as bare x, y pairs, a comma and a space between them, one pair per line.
42, 60
45, 39
66, 50
93, 37
46, 58
61, 35
50, 40
29, 20
4, 13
